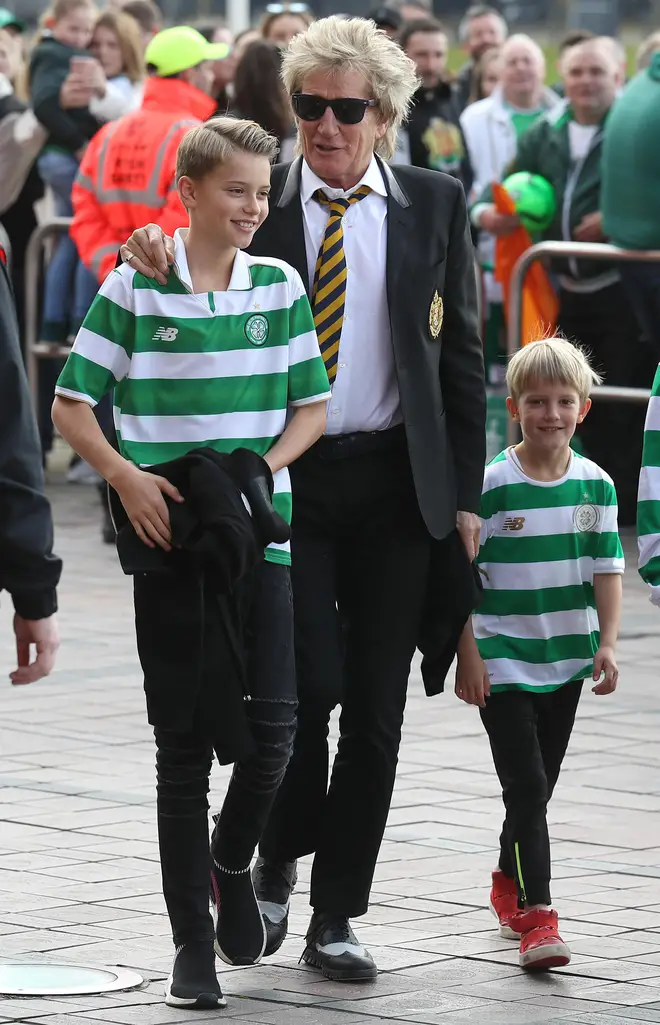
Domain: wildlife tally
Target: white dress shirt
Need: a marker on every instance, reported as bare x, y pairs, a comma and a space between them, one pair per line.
365, 394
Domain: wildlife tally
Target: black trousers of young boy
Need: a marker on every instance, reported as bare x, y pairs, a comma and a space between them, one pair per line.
529, 733
184, 756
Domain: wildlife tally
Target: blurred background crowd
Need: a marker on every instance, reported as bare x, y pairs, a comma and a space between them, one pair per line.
525, 86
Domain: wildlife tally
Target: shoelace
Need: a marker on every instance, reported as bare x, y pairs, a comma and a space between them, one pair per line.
343, 931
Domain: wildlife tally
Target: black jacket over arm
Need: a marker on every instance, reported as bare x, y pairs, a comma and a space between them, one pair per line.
441, 380
191, 603
28, 568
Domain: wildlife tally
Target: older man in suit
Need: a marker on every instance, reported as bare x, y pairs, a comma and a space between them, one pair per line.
387, 258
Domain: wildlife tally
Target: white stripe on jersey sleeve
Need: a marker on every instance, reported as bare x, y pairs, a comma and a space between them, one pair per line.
102, 351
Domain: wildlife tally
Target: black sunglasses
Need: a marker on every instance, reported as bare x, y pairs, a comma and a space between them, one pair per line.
346, 109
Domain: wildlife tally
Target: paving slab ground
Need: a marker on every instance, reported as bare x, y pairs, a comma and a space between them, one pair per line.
79, 876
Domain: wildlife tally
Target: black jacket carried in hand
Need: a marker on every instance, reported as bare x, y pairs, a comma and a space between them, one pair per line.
190, 603
28, 568
49, 66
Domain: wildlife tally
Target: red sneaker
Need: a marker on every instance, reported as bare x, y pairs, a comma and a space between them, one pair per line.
504, 903
541, 946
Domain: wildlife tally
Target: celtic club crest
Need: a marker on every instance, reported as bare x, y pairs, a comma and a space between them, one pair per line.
256, 329
436, 315
586, 517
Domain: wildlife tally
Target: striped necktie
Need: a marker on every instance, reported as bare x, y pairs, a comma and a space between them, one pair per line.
329, 288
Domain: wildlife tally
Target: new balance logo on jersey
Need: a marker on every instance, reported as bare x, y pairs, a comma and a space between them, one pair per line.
165, 334
514, 523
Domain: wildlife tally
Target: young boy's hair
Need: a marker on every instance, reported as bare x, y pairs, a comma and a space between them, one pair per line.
212, 144
59, 9
553, 361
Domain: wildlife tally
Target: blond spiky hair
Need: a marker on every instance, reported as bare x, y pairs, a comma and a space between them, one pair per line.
551, 361
335, 45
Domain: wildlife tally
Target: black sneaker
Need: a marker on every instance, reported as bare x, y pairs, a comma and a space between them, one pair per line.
273, 885
240, 934
193, 982
333, 947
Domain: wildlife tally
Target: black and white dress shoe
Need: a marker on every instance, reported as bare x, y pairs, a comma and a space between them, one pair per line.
193, 983
333, 948
273, 885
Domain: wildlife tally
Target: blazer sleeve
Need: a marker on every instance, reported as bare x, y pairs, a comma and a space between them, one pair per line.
461, 362
28, 568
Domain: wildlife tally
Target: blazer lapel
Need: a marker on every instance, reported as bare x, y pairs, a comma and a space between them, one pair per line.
400, 220
286, 215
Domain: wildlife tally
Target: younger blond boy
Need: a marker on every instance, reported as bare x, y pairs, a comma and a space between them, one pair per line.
551, 563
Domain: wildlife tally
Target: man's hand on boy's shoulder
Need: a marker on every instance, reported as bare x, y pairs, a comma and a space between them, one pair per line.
149, 251
605, 666
472, 682
141, 495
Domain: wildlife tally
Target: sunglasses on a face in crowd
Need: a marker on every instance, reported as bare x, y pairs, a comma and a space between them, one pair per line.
346, 109
287, 8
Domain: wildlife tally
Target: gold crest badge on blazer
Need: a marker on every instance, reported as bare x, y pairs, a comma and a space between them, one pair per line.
436, 315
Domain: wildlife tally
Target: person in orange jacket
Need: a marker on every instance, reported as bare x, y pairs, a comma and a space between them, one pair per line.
126, 177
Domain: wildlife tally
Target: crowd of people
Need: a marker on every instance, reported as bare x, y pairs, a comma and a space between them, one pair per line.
297, 447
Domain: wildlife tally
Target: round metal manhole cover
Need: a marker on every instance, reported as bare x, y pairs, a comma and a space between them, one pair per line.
45, 979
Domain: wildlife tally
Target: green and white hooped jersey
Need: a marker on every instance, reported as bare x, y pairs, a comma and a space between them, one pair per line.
218, 369
541, 545
648, 501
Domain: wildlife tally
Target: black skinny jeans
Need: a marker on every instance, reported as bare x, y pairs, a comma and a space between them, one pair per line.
529, 733
184, 759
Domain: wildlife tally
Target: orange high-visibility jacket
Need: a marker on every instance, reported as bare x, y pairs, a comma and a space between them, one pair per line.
126, 177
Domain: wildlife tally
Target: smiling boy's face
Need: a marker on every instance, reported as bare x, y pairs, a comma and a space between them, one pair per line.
548, 413
231, 201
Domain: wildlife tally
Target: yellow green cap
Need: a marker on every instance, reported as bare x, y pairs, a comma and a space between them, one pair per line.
179, 48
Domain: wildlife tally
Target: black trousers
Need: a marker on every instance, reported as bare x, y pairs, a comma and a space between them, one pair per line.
184, 759
360, 559
612, 433
529, 734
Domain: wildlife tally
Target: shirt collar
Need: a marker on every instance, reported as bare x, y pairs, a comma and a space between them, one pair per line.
240, 280
310, 182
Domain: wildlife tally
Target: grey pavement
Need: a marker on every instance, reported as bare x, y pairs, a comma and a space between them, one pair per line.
79, 877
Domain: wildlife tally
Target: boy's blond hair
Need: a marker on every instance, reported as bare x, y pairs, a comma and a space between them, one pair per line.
553, 361
212, 144
60, 9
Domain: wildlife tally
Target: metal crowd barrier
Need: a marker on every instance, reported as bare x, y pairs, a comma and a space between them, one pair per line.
35, 349
594, 251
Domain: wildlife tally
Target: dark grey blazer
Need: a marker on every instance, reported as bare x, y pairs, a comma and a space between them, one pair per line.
441, 379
